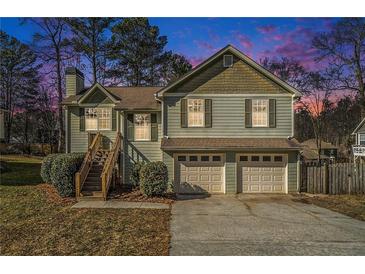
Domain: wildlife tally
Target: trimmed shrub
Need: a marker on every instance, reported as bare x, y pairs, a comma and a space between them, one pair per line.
63, 168
136, 173
154, 179
46, 167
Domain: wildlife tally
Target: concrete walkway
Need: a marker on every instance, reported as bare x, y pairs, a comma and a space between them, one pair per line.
119, 204
261, 225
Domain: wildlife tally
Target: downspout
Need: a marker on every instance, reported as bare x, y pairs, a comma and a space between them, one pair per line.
66, 129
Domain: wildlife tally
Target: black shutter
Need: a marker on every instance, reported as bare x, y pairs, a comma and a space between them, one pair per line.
154, 127
114, 120
82, 119
272, 113
248, 113
208, 112
130, 127
184, 113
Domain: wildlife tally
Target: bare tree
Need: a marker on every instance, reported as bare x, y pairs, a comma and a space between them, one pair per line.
317, 104
54, 49
344, 49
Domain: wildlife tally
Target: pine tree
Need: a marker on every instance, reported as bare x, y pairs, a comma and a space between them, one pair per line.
18, 78
90, 40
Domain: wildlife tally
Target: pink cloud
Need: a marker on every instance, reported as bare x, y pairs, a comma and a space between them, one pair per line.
296, 44
244, 41
266, 29
204, 45
194, 61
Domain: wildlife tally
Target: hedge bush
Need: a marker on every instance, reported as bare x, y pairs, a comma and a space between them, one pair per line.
63, 168
135, 175
46, 167
154, 179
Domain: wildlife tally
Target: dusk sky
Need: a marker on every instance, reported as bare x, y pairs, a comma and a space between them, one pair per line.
198, 38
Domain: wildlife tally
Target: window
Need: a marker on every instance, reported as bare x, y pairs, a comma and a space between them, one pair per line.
266, 158
255, 158
361, 139
278, 158
193, 158
142, 127
204, 158
216, 158
181, 158
260, 113
98, 119
227, 61
243, 158
195, 112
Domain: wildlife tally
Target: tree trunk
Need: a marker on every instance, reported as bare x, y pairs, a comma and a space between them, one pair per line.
60, 112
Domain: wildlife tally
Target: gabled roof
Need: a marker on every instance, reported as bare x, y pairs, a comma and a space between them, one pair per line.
359, 126
243, 57
101, 88
126, 98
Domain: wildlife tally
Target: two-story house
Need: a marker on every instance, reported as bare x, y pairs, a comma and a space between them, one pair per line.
224, 127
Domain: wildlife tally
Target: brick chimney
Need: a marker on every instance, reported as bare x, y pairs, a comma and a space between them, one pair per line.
74, 81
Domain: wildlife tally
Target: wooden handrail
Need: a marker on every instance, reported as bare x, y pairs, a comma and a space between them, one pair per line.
81, 175
109, 165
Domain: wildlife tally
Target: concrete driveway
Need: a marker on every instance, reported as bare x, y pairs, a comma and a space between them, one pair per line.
261, 225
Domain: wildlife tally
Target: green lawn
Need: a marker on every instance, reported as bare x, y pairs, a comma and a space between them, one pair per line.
34, 220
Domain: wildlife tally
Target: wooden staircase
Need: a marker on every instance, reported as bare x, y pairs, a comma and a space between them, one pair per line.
98, 170
92, 184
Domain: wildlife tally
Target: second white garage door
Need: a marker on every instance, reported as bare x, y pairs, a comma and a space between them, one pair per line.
199, 173
263, 173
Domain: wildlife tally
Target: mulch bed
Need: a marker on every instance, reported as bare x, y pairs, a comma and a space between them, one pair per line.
53, 196
135, 195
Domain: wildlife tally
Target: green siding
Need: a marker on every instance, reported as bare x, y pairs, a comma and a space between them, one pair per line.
231, 173
228, 118
238, 79
168, 159
292, 171
147, 151
78, 141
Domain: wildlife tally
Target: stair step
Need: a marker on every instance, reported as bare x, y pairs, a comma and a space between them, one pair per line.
92, 179
90, 188
92, 183
88, 193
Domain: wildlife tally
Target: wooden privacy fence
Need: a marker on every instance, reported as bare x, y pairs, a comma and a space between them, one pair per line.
341, 178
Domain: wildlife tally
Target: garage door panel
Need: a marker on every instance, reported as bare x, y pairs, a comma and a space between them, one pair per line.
200, 176
262, 176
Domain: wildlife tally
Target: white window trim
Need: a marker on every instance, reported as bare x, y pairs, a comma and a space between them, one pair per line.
98, 110
361, 135
267, 113
148, 127
224, 60
202, 112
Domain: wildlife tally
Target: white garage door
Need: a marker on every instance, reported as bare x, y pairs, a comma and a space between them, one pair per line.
199, 173
263, 173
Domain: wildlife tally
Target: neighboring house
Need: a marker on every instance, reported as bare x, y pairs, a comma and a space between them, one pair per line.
310, 151
359, 133
359, 147
224, 127
2, 124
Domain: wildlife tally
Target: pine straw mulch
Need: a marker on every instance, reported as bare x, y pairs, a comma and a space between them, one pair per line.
53, 196
136, 195
350, 205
